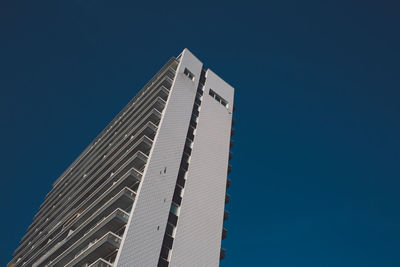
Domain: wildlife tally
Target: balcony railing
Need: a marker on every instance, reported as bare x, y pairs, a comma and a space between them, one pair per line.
162, 262
97, 209
140, 157
227, 198
226, 215
177, 198
164, 79
222, 254
164, 82
111, 223
158, 104
224, 233
101, 263
228, 183
144, 141
100, 248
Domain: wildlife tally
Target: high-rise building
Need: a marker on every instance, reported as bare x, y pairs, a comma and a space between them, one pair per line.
150, 190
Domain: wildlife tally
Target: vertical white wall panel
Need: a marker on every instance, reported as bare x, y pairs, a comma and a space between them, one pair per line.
143, 238
198, 234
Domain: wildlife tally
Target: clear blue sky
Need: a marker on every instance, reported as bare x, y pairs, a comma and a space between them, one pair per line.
315, 179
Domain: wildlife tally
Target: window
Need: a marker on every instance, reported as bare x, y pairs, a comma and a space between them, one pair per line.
212, 93
188, 74
218, 98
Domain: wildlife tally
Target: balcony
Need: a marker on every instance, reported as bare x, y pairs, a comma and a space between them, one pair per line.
224, 233
172, 219
94, 231
164, 253
184, 165
230, 155
95, 250
162, 262
228, 183
226, 215
158, 88
181, 178
196, 112
229, 168
149, 129
177, 198
197, 101
227, 198
117, 195
163, 92
144, 145
123, 200
154, 110
193, 122
101, 263
168, 241
187, 150
98, 209
127, 175
117, 187
137, 161
222, 254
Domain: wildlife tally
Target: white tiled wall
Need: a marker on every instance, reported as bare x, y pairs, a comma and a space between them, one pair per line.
198, 235
142, 240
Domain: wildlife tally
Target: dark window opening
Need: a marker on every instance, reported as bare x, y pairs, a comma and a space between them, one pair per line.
188, 74
218, 98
